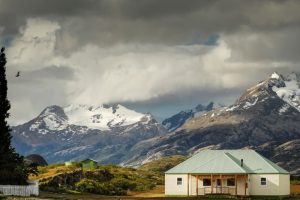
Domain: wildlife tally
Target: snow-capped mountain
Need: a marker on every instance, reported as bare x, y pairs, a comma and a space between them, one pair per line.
101, 117
176, 121
80, 131
265, 118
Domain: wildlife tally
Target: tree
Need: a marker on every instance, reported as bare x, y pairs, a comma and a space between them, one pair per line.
13, 169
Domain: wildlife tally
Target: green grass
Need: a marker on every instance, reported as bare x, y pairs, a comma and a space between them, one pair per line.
295, 182
270, 197
219, 196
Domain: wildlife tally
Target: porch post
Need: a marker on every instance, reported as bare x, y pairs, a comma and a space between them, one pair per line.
188, 185
197, 185
221, 183
246, 185
235, 184
211, 183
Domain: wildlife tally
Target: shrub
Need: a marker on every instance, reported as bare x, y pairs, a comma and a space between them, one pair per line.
123, 184
42, 170
87, 185
102, 175
91, 186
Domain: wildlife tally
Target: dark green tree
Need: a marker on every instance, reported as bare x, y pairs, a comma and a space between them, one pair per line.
13, 169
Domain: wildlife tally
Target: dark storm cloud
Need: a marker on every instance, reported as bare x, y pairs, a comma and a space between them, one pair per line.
170, 21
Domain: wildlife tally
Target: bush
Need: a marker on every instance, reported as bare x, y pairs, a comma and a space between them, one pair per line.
42, 170
91, 186
87, 185
102, 175
123, 184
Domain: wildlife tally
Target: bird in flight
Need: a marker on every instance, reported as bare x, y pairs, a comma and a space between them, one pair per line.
18, 74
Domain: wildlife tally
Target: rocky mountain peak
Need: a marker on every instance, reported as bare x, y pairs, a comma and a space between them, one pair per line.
177, 120
53, 110
276, 85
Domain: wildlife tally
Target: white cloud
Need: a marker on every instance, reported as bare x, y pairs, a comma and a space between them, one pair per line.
123, 72
35, 47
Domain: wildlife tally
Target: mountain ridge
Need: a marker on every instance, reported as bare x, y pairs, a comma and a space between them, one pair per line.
53, 135
260, 119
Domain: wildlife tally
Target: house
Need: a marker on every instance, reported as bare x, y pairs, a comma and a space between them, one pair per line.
89, 164
235, 172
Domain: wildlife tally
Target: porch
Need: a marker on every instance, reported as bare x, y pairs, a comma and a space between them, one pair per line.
232, 184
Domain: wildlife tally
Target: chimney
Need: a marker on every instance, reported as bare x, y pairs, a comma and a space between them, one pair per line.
242, 162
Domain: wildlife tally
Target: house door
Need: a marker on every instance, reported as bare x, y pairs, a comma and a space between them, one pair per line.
217, 186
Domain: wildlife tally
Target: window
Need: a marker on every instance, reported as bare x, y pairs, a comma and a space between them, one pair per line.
179, 181
206, 182
263, 181
231, 182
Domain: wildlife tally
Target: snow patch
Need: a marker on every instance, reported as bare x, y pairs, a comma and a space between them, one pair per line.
275, 76
284, 108
54, 123
248, 104
34, 126
290, 93
231, 108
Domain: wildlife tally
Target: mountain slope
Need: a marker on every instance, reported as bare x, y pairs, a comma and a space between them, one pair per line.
79, 131
266, 118
176, 121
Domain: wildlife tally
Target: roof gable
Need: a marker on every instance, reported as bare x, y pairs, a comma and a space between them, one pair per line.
227, 162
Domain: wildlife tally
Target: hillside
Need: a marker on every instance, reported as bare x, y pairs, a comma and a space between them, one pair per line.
163, 164
105, 179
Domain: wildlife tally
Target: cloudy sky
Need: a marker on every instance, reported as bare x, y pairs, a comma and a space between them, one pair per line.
151, 55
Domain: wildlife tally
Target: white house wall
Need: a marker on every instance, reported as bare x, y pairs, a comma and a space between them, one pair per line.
241, 187
277, 184
171, 187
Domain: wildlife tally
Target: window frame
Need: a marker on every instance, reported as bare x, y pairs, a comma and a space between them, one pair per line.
204, 182
261, 181
231, 179
179, 181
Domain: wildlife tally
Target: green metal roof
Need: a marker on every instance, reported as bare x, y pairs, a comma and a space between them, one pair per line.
227, 162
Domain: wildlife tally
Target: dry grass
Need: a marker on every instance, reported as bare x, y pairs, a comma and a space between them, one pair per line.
295, 189
52, 170
158, 191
